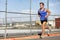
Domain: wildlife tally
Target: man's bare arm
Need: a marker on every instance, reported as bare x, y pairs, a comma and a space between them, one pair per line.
48, 12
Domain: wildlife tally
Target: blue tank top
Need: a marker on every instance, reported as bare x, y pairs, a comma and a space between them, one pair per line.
42, 14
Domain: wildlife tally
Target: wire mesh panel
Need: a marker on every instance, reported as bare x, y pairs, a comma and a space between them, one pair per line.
2, 18
54, 8
18, 12
34, 10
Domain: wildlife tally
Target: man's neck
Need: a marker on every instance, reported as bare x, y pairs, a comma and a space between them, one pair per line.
42, 8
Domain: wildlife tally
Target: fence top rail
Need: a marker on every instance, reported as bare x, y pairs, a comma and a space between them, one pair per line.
25, 13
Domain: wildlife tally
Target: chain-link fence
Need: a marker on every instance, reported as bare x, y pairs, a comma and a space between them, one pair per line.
18, 14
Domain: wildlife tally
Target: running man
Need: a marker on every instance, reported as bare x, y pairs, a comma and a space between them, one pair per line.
43, 13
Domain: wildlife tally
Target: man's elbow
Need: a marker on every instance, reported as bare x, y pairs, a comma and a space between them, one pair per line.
39, 15
49, 13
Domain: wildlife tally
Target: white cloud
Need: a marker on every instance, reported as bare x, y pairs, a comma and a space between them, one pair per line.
54, 4
28, 11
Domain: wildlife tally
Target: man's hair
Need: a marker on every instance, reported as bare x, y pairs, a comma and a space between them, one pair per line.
42, 3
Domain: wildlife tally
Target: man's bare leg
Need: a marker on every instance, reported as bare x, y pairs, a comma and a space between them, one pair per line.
43, 28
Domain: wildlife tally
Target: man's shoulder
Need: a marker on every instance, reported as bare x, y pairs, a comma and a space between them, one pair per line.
46, 9
39, 9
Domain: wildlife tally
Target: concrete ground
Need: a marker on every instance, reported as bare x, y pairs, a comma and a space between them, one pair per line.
51, 38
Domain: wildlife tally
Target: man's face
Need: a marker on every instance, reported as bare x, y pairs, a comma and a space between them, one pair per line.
41, 5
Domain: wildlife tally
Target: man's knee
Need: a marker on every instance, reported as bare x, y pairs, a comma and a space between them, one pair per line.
44, 23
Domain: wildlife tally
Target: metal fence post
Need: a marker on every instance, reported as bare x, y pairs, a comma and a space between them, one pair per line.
30, 14
5, 17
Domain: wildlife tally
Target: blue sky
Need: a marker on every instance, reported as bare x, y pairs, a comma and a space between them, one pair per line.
24, 7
